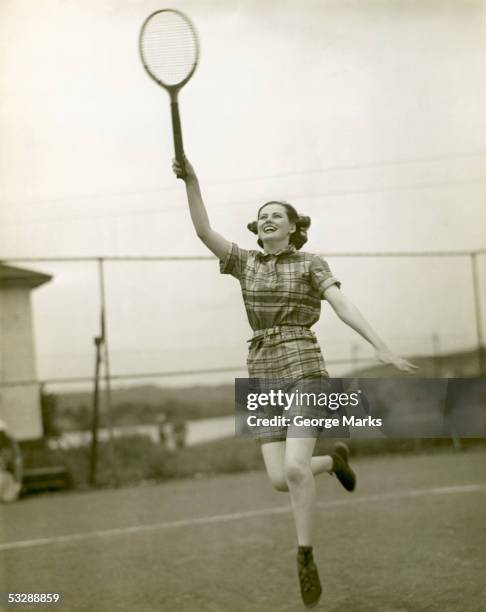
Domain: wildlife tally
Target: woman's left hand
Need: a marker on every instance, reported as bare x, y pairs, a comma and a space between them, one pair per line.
386, 356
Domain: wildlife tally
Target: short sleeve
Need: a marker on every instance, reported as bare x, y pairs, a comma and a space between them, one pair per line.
321, 277
234, 261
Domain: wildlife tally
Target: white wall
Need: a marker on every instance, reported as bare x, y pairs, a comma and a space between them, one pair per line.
19, 405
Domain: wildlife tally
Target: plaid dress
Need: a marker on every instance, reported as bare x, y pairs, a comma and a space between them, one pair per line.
282, 293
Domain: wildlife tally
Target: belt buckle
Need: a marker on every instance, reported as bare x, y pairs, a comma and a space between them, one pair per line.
270, 331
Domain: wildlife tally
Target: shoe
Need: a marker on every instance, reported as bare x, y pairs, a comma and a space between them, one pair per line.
310, 585
341, 467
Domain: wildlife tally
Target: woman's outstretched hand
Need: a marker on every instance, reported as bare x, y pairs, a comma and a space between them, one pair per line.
386, 356
190, 172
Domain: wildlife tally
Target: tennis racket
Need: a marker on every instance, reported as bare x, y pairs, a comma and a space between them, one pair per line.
169, 51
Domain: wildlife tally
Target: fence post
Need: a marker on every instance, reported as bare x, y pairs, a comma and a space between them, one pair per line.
106, 360
477, 312
436, 361
95, 417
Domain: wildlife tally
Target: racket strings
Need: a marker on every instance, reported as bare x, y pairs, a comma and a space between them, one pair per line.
169, 47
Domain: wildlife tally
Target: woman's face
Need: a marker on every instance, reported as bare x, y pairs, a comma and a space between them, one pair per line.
274, 225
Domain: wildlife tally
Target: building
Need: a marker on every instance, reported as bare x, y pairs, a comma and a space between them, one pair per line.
19, 403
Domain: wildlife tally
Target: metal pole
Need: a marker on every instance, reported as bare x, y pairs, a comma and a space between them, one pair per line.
477, 312
44, 417
109, 411
96, 415
435, 355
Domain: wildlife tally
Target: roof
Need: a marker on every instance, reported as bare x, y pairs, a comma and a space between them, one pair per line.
18, 277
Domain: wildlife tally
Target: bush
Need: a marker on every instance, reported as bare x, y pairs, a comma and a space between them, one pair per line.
138, 458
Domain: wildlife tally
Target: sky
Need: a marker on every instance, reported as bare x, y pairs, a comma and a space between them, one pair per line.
366, 115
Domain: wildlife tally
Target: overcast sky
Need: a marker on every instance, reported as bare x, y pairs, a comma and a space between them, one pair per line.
367, 115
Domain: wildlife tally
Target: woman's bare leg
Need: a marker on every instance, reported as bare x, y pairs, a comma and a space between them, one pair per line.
300, 479
274, 458
291, 466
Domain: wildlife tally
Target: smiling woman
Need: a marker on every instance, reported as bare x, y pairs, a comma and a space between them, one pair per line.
280, 220
282, 290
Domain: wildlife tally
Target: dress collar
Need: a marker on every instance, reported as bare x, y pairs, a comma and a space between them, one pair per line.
290, 249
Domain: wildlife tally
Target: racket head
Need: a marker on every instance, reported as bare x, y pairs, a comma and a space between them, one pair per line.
169, 48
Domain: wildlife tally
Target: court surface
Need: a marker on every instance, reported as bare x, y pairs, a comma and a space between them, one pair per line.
412, 537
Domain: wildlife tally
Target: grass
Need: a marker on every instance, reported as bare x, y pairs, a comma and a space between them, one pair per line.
378, 549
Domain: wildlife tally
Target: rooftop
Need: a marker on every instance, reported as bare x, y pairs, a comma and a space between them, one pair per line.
19, 277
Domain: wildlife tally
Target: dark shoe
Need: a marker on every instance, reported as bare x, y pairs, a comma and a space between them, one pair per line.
310, 585
341, 467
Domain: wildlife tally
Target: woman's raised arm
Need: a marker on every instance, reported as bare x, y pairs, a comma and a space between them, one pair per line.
214, 241
349, 314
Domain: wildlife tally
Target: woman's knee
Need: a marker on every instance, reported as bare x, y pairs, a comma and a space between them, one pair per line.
279, 482
296, 471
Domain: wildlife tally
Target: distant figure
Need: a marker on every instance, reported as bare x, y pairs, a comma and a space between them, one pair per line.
166, 432
161, 425
179, 432
10, 466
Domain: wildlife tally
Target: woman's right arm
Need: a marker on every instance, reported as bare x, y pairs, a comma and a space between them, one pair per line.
214, 241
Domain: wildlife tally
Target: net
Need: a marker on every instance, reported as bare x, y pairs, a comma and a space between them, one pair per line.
168, 46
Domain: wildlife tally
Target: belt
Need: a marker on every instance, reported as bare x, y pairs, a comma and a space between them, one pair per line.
261, 334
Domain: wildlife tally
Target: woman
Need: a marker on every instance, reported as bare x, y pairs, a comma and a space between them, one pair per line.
282, 289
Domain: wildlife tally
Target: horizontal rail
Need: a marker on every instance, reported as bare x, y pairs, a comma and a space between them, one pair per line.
165, 374
93, 259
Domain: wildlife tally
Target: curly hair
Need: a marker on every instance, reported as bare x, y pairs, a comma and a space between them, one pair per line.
302, 224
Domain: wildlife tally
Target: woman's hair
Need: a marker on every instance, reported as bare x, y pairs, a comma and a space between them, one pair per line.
302, 224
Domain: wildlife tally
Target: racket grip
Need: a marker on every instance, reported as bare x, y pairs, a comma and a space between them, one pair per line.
177, 133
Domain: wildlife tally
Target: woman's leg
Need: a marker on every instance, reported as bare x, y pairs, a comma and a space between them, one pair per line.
289, 467
274, 458
300, 479
320, 464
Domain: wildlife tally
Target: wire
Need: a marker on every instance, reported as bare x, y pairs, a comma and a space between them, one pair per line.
174, 373
323, 194
324, 170
134, 258
358, 166
166, 374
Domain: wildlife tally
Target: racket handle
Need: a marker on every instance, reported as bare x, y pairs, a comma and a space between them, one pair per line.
177, 133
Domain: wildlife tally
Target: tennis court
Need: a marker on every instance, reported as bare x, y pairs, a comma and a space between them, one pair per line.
411, 538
